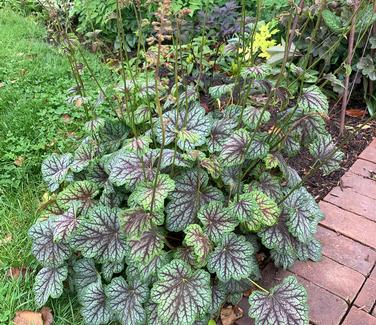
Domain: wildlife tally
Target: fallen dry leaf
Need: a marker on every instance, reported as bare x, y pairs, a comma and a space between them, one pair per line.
6, 239
47, 316
78, 102
355, 112
230, 314
19, 161
16, 272
26, 317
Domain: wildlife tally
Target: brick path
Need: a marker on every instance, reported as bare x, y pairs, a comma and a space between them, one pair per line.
342, 286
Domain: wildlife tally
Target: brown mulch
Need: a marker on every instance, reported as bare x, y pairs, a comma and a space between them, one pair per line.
355, 140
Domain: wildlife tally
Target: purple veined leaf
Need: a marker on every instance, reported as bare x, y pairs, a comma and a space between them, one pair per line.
136, 221
290, 174
302, 221
187, 255
112, 135
253, 116
152, 314
313, 100
182, 295
99, 236
233, 258
258, 72
126, 301
142, 196
97, 174
112, 198
283, 259
55, 170
191, 192
81, 193
83, 156
232, 112
235, 150
64, 224
189, 128
310, 125
235, 286
234, 298
142, 114
218, 91
111, 268
258, 147
45, 249
139, 145
129, 169
49, 283
325, 152
84, 273
216, 221
220, 132
231, 177
218, 298
199, 241
171, 157
149, 245
93, 126
286, 303
291, 143
268, 184
212, 166
95, 307
148, 271
311, 250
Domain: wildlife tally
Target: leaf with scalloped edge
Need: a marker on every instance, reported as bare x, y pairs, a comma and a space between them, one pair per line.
268, 184
172, 157
84, 274
198, 240
232, 258
111, 268
152, 314
81, 193
45, 249
187, 255
139, 145
65, 223
218, 298
136, 221
148, 193
112, 135
182, 295
55, 169
216, 220
327, 155
112, 198
235, 150
94, 125
286, 303
99, 236
97, 174
253, 116
49, 283
290, 174
256, 209
231, 177
313, 100
301, 221
128, 169
258, 72
258, 148
212, 166
311, 250
219, 133
95, 308
188, 127
149, 271
218, 91
150, 244
283, 258
83, 155
191, 192
126, 300
142, 114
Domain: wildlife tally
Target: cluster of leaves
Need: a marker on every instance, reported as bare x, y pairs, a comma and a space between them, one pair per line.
160, 224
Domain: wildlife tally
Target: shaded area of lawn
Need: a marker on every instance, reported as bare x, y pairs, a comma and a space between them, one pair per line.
34, 121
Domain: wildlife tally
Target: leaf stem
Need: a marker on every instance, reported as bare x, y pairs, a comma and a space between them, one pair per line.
258, 286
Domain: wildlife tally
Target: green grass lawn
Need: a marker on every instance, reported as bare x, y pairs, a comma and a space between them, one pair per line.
34, 121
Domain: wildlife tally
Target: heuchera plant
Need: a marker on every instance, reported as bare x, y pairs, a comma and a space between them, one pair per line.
162, 226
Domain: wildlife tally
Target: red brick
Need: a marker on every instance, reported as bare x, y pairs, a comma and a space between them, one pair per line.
346, 251
349, 224
359, 317
351, 201
332, 276
370, 152
325, 308
373, 274
367, 296
359, 184
363, 168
